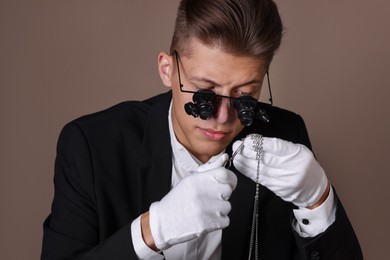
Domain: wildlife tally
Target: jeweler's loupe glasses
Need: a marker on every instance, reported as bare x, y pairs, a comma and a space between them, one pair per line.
205, 101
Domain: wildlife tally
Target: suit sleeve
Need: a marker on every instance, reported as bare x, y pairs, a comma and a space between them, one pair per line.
339, 240
72, 229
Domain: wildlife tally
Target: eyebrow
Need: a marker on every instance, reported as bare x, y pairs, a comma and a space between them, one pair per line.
209, 81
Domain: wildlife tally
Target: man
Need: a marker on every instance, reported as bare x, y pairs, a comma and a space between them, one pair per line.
153, 179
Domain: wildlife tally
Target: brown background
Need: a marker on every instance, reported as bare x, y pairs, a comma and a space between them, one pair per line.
63, 59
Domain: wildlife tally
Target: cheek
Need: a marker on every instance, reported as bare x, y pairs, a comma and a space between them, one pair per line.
181, 118
179, 99
237, 126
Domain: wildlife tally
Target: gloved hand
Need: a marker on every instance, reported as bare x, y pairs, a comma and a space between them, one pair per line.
196, 205
289, 170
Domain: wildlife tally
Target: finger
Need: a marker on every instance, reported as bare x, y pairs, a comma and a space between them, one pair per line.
225, 209
281, 147
248, 142
224, 191
246, 167
279, 151
250, 149
236, 145
224, 221
242, 161
214, 162
225, 176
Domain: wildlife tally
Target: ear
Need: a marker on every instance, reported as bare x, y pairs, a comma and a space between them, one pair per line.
165, 68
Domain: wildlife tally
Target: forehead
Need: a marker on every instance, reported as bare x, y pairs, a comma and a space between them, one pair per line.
212, 61
195, 47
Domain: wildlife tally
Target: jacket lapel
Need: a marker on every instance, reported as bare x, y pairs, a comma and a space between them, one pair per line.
156, 169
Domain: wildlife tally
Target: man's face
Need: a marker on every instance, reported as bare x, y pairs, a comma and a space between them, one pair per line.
213, 69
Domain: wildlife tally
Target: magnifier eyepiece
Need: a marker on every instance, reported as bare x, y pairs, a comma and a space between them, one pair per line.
245, 107
203, 104
205, 101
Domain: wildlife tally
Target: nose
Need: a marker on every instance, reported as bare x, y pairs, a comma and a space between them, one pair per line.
223, 111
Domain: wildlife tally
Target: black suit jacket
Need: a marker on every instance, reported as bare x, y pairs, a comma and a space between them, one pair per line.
112, 165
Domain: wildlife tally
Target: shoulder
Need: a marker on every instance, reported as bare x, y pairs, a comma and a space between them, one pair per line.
280, 116
128, 113
126, 119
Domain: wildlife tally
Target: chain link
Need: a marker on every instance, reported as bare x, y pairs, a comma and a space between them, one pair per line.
257, 140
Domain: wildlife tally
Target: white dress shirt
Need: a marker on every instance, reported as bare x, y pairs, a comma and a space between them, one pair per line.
308, 223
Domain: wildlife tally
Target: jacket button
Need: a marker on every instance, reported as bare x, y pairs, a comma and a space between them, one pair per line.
315, 255
305, 221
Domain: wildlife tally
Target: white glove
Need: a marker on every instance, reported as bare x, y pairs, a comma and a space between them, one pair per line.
196, 205
289, 170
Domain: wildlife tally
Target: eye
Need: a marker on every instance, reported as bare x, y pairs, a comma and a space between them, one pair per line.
240, 93
252, 90
203, 87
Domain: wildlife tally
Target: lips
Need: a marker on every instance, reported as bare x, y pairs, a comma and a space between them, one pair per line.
213, 135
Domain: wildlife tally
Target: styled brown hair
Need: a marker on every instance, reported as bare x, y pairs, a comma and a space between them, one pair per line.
241, 27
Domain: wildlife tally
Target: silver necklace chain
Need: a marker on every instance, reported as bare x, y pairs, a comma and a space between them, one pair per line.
257, 140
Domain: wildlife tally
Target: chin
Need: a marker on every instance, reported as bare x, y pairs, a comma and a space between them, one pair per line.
213, 149
206, 149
